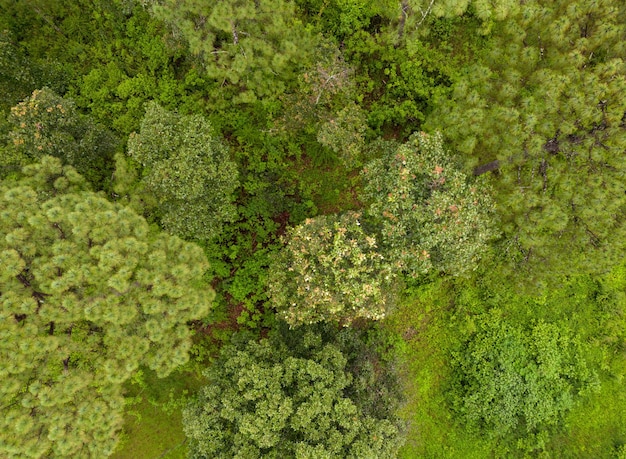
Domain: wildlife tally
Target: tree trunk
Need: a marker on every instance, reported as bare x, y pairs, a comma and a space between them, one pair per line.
488, 167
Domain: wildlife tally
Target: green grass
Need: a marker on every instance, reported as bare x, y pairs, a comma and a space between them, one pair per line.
422, 322
597, 426
153, 424
429, 324
149, 433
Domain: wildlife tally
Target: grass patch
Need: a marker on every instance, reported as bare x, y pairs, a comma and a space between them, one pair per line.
153, 424
422, 321
596, 427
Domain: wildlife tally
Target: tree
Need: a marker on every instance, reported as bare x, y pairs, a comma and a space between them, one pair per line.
188, 178
330, 270
416, 14
543, 105
344, 134
291, 396
323, 107
87, 294
431, 216
519, 381
47, 124
253, 46
15, 74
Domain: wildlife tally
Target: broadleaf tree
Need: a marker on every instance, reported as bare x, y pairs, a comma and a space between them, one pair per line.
294, 394
188, 178
87, 294
430, 214
331, 269
48, 124
518, 381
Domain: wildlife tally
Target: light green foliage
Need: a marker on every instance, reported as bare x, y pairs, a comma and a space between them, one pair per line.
419, 11
294, 396
253, 46
87, 294
431, 215
520, 381
187, 169
46, 124
330, 270
546, 99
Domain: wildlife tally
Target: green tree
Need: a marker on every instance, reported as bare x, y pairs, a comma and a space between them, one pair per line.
330, 270
543, 104
417, 14
430, 214
87, 294
323, 107
518, 381
253, 46
292, 395
188, 178
344, 133
47, 124
15, 75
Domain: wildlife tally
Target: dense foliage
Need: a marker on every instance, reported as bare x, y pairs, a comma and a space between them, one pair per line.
87, 294
286, 397
545, 100
46, 124
515, 381
188, 177
253, 46
439, 182
330, 270
431, 215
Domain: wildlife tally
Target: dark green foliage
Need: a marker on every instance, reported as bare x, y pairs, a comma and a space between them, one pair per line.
87, 294
296, 394
15, 75
111, 57
342, 18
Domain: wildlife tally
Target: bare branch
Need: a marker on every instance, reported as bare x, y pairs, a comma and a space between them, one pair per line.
425, 14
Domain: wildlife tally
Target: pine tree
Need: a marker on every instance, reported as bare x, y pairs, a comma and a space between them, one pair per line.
188, 179
254, 47
544, 105
87, 294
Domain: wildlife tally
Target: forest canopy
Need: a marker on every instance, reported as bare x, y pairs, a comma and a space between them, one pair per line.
306, 228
